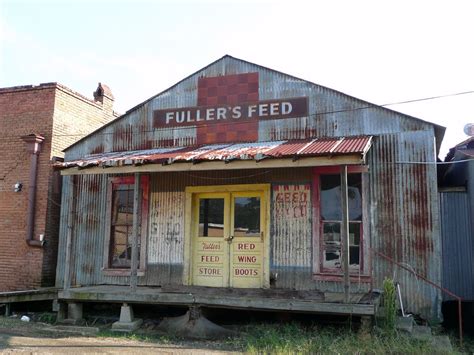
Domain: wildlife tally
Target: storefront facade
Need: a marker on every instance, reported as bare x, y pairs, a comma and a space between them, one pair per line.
233, 179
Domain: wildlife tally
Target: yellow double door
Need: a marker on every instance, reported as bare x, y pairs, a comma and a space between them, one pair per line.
228, 232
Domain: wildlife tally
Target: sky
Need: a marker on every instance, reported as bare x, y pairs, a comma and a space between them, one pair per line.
378, 51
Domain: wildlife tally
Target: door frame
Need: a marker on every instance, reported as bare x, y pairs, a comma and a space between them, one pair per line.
190, 191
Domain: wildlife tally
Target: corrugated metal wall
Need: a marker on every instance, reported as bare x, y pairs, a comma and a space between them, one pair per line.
165, 240
66, 205
458, 244
166, 234
89, 202
331, 113
403, 197
291, 236
403, 210
404, 216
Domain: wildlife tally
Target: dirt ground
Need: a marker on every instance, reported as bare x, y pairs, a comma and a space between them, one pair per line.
40, 338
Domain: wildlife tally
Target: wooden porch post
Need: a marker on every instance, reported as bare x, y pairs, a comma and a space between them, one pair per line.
345, 232
135, 232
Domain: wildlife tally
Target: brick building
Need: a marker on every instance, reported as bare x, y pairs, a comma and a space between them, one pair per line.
36, 124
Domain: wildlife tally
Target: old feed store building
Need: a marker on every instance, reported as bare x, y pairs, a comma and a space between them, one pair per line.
244, 187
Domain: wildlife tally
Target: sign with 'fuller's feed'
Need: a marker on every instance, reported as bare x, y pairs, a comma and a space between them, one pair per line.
195, 116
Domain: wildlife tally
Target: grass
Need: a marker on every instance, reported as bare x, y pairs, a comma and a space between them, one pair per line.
152, 338
292, 338
288, 338
46, 317
469, 344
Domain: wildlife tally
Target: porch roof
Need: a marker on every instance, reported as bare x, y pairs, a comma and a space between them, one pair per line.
308, 152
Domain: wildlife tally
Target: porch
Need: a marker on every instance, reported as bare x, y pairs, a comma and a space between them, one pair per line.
36, 295
251, 299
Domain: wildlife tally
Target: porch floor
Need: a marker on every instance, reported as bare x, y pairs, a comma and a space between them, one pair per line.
40, 294
257, 299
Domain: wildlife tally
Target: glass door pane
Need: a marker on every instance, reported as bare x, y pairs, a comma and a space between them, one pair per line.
247, 217
211, 217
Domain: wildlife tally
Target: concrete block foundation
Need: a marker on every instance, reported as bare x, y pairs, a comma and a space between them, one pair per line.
127, 323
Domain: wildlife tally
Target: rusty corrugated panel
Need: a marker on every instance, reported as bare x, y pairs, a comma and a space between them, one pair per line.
330, 114
286, 149
134, 130
165, 242
196, 152
291, 236
165, 236
121, 158
290, 243
240, 151
458, 244
404, 216
353, 144
227, 152
403, 205
89, 201
89, 230
66, 201
322, 146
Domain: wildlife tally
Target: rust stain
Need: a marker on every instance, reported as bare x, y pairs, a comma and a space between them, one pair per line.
122, 138
145, 144
98, 149
225, 152
94, 185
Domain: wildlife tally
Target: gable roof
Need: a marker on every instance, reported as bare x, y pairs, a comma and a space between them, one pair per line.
439, 130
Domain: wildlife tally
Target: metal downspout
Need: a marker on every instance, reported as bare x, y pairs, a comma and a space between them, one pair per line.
33, 142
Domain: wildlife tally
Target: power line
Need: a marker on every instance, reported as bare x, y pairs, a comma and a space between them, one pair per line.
368, 106
428, 98
435, 162
267, 171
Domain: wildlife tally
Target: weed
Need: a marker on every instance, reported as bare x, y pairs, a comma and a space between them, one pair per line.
49, 318
390, 305
154, 338
292, 338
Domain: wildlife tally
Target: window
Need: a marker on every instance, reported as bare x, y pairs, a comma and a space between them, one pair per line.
118, 249
246, 216
211, 217
328, 220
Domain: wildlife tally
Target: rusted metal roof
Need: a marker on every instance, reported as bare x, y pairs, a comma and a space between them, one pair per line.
227, 152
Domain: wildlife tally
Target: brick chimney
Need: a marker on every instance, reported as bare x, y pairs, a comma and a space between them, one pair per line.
103, 94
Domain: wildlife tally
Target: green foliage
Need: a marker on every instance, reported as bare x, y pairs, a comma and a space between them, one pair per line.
390, 305
152, 338
294, 339
47, 317
289, 338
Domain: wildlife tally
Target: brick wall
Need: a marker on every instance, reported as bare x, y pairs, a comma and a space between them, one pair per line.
62, 117
23, 111
75, 116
